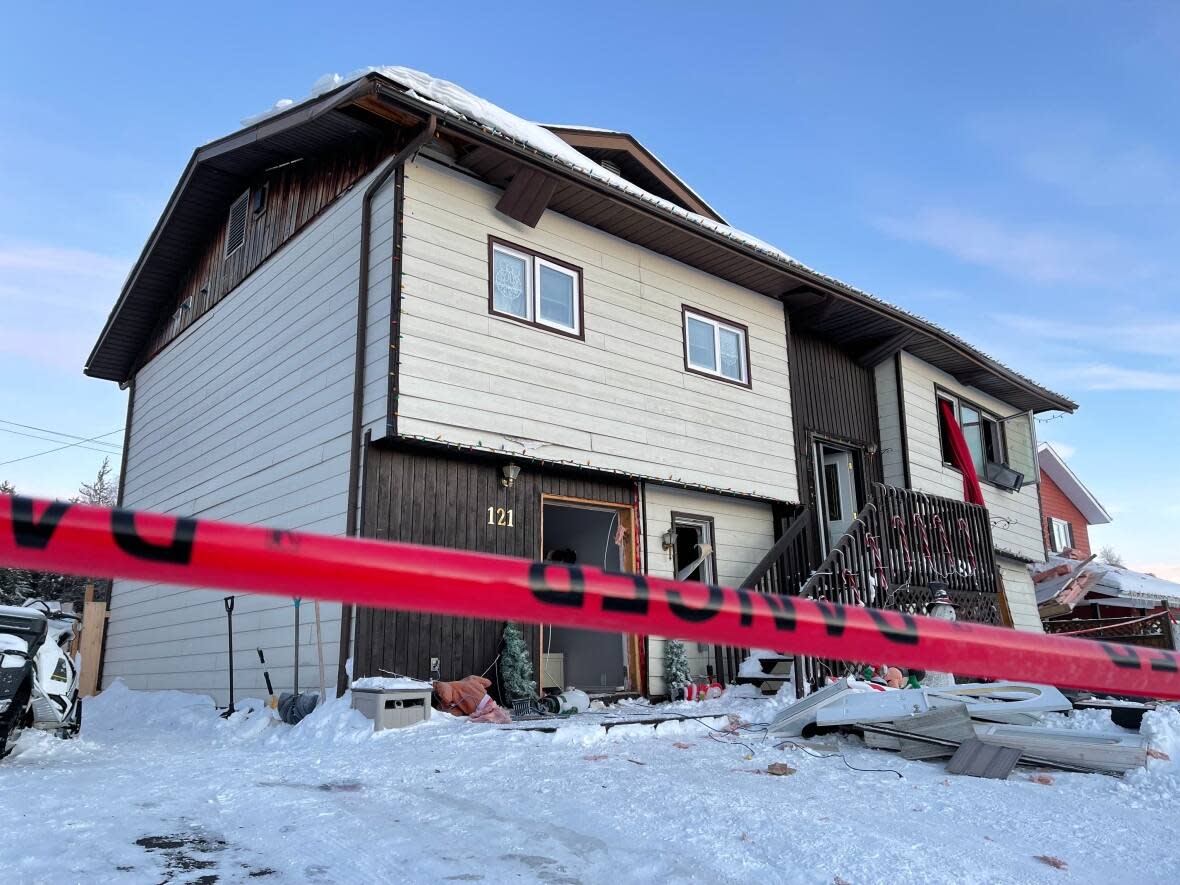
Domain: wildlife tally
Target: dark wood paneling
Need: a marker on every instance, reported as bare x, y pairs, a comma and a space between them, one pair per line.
295, 194
432, 497
834, 397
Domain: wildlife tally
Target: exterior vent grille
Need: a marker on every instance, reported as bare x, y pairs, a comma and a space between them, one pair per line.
235, 234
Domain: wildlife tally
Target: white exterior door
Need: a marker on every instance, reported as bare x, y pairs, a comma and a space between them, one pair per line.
837, 491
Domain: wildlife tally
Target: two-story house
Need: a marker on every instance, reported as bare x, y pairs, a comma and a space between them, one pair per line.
395, 310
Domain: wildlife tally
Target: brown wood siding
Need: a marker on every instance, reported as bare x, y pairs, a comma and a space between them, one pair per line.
296, 193
833, 397
439, 498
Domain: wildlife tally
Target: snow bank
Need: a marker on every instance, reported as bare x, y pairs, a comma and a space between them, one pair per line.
118, 708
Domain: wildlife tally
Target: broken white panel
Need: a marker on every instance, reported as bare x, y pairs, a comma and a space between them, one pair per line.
791, 721
1019, 703
1098, 750
875, 706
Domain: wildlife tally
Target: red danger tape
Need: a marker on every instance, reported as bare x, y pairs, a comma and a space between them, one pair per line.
82, 540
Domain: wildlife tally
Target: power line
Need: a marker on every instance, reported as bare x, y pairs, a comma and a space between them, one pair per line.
58, 432
81, 445
59, 448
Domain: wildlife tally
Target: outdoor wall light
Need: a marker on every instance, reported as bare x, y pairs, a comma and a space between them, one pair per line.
511, 472
668, 540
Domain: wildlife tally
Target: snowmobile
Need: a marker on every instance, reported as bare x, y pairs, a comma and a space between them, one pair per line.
38, 680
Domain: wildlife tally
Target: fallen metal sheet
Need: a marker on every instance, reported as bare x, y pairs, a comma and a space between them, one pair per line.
1019, 703
791, 721
974, 758
949, 723
1008, 702
877, 706
1098, 751
889, 731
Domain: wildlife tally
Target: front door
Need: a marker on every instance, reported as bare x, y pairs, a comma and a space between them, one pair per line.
598, 535
836, 491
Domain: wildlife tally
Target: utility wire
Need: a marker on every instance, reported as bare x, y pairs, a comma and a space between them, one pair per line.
60, 448
56, 432
114, 450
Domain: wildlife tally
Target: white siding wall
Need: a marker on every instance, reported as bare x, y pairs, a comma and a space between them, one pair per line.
1021, 595
247, 417
1017, 513
889, 416
745, 531
619, 400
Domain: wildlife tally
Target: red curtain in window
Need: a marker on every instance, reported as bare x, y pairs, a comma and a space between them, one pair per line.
972, 492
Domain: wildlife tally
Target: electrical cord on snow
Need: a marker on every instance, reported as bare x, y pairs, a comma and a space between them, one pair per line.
842, 759
764, 728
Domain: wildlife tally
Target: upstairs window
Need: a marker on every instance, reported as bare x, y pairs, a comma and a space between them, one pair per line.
532, 288
1060, 534
984, 435
716, 347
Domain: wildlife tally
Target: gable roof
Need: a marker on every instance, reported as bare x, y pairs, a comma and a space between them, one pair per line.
495, 145
1054, 467
636, 163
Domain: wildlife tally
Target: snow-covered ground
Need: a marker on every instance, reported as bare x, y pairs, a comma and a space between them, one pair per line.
159, 789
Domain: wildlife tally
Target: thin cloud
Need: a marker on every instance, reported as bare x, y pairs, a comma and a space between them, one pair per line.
1037, 255
54, 301
1107, 377
1065, 450
1155, 337
1083, 157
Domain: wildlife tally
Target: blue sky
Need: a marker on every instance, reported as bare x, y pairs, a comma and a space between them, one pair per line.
1011, 171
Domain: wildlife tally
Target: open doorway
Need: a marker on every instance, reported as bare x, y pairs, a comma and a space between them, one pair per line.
597, 536
837, 484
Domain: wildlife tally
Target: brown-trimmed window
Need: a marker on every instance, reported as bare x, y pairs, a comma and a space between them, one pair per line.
716, 346
984, 435
532, 288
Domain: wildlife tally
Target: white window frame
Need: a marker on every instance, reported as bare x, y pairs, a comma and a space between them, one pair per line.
533, 266
718, 325
575, 311
1063, 524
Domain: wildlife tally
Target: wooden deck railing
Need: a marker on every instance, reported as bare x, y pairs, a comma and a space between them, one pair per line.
899, 543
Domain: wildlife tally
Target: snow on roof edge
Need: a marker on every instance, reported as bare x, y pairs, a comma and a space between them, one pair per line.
451, 99
1069, 483
688, 187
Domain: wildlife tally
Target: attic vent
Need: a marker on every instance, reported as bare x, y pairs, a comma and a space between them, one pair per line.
235, 234
610, 166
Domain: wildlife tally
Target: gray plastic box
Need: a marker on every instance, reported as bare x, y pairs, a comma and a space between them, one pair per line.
392, 707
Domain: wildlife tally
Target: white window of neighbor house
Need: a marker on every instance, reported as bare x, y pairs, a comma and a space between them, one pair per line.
715, 346
534, 289
1061, 533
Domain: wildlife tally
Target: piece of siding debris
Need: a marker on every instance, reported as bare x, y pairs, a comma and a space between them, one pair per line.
977, 759
951, 723
1049, 860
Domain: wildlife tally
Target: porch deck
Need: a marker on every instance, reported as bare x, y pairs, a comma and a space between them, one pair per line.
899, 543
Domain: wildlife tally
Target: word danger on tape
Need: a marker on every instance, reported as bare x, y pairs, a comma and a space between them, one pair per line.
93, 541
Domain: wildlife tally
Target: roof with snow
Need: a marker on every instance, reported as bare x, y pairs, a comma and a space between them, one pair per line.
636, 163
1073, 488
494, 144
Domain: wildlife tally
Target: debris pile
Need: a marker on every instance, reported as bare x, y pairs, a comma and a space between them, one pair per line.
986, 729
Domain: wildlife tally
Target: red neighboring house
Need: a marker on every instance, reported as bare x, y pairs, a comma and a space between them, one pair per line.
1068, 508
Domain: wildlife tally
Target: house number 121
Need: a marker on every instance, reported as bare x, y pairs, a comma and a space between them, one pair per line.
500, 516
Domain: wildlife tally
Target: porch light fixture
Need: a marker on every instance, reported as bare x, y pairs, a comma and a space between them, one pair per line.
511, 472
668, 540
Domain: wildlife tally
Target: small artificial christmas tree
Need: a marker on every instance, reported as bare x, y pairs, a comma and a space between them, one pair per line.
516, 667
676, 675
